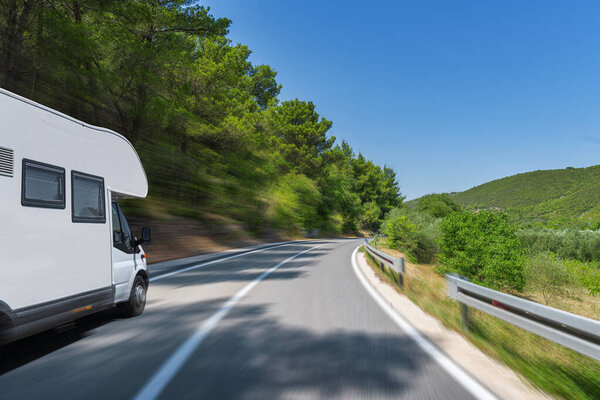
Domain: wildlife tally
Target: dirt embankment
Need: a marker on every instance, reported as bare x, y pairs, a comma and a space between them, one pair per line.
179, 237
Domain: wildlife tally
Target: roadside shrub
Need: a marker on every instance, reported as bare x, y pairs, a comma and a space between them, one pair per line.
585, 274
413, 232
425, 249
483, 247
399, 230
442, 269
547, 274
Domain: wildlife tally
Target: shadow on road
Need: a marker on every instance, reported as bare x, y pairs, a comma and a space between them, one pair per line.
255, 352
241, 269
19, 353
254, 356
251, 354
24, 351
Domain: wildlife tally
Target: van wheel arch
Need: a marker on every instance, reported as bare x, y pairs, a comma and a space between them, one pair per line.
5, 325
136, 303
144, 275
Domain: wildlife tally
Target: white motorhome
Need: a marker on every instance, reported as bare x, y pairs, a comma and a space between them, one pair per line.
66, 249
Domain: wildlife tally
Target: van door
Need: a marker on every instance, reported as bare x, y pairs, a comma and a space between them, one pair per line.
124, 255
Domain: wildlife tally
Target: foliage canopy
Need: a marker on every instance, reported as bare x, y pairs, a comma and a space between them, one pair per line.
437, 205
207, 123
483, 247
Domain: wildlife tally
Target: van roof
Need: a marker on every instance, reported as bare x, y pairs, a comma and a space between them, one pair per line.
123, 190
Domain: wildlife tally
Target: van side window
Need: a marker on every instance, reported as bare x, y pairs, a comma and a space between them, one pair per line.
122, 238
88, 198
43, 185
118, 236
126, 230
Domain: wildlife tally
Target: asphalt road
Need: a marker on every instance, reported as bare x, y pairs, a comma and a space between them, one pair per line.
253, 325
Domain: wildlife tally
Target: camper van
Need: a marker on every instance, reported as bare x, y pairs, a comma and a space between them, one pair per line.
66, 249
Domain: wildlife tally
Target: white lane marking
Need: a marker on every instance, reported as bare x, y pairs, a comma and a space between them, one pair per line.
197, 266
169, 369
255, 246
466, 380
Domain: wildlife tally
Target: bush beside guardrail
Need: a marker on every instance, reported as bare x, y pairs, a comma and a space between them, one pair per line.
567, 329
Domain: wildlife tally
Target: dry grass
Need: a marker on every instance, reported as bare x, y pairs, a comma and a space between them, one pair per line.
553, 368
577, 300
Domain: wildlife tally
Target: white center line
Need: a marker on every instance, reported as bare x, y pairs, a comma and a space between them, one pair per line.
169, 369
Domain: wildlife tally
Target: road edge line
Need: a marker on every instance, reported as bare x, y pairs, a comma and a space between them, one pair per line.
472, 385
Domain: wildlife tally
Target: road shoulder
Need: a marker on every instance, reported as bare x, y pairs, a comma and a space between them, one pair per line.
500, 379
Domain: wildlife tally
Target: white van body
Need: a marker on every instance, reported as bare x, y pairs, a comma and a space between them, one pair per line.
59, 262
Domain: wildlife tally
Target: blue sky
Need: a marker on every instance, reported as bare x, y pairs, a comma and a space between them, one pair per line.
450, 94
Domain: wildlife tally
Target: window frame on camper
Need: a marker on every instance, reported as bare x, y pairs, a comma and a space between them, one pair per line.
101, 219
42, 203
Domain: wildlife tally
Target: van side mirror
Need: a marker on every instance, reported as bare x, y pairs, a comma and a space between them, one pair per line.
146, 235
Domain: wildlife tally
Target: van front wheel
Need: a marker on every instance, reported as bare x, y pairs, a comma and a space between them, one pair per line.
137, 299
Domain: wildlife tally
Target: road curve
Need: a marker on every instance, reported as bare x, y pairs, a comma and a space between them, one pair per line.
290, 321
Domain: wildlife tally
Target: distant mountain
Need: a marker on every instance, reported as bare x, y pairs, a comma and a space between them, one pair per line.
557, 198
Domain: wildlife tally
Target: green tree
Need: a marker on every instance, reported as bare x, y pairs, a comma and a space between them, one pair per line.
483, 247
376, 187
586, 274
547, 274
302, 136
338, 198
371, 217
294, 204
437, 205
264, 85
400, 230
205, 121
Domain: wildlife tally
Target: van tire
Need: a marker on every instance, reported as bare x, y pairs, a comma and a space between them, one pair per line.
137, 299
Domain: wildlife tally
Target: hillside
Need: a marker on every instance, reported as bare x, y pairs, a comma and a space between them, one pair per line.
556, 198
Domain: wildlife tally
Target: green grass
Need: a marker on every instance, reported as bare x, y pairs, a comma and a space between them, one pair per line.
555, 369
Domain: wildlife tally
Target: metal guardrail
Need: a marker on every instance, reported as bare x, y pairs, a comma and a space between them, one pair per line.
570, 330
395, 264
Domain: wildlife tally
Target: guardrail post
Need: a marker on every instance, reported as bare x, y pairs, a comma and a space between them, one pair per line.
400, 267
453, 292
464, 313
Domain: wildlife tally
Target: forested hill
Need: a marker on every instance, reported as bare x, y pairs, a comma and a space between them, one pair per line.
212, 134
556, 198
